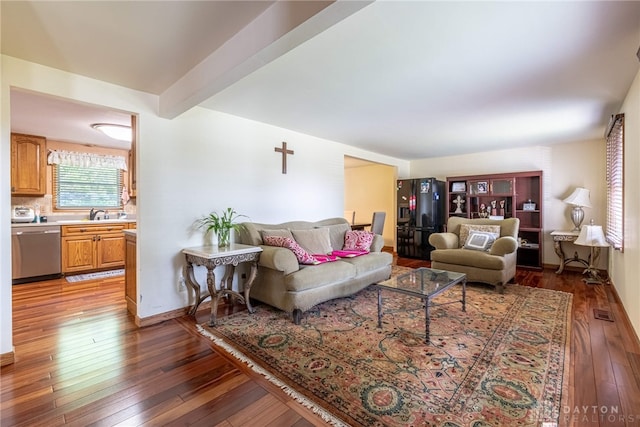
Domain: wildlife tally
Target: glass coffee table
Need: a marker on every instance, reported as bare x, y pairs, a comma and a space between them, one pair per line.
424, 283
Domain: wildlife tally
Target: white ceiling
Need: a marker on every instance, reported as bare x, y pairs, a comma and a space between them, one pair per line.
408, 79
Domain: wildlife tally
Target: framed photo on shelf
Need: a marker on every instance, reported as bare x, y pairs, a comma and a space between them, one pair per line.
482, 187
458, 187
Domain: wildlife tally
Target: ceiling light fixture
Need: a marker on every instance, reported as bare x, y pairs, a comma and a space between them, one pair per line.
119, 132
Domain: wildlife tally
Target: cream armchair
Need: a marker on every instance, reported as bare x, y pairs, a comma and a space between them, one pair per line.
495, 266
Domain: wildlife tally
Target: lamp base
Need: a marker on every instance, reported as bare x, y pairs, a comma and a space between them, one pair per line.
592, 271
593, 276
577, 215
594, 281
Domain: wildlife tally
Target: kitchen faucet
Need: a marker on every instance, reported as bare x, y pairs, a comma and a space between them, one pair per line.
93, 213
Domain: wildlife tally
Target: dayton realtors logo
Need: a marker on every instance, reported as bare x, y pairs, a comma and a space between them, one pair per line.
596, 414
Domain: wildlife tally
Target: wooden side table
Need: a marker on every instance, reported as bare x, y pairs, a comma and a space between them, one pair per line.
566, 236
213, 256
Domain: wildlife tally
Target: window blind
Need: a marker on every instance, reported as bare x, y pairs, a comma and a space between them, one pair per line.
78, 187
614, 229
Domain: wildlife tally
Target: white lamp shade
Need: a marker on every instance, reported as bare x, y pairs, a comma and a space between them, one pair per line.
579, 197
591, 235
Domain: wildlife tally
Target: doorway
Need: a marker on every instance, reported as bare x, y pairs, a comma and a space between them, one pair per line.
68, 125
370, 187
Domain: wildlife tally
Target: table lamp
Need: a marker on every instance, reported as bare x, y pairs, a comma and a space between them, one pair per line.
579, 199
592, 236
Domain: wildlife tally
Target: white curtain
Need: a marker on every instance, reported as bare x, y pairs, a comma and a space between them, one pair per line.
70, 158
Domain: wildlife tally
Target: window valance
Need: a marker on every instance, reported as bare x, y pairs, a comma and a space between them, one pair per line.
70, 158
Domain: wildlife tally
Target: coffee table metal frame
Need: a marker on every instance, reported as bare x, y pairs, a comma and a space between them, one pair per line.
424, 283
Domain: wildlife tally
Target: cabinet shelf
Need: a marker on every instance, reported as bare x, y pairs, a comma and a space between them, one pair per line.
533, 246
512, 190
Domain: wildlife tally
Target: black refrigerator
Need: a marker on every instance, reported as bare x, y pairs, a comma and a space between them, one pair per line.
420, 213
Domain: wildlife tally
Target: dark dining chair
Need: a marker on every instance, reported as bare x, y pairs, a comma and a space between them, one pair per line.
377, 222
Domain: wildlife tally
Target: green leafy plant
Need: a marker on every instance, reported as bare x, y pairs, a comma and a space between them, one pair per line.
221, 224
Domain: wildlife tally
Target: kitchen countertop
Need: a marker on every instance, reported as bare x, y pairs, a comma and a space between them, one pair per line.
72, 222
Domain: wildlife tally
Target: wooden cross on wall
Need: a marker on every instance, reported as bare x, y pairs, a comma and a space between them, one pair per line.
284, 152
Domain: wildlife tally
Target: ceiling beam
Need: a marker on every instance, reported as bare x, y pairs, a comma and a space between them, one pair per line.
282, 27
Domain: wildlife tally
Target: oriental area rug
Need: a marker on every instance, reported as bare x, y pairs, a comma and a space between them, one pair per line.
503, 362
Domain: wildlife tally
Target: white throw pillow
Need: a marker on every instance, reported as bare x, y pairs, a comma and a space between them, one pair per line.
480, 240
465, 229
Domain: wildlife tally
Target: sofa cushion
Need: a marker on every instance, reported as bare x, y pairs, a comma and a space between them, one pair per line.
476, 259
370, 262
316, 276
314, 241
465, 229
336, 234
358, 240
303, 256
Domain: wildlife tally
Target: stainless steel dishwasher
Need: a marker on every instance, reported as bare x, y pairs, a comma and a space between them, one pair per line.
35, 252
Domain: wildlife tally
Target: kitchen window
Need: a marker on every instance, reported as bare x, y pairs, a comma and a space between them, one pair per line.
85, 181
79, 187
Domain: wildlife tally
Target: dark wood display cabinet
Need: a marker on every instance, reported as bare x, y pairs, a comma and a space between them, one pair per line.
506, 195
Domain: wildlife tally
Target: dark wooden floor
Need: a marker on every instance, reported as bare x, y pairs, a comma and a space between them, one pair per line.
80, 360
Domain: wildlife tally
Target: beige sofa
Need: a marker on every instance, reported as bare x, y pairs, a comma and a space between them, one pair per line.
283, 283
496, 267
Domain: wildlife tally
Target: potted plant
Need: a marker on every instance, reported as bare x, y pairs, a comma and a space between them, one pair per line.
220, 224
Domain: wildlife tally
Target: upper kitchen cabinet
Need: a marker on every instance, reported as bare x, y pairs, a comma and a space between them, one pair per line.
28, 165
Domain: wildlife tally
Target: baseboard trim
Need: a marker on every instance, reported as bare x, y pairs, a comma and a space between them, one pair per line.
142, 322
7, 358
623, 310
575, 268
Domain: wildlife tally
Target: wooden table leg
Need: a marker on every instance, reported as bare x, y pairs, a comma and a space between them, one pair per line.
557, 247
190, 279
226, 284
247, 286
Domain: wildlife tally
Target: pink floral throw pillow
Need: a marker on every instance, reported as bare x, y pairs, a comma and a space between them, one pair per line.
358, 240
284, 242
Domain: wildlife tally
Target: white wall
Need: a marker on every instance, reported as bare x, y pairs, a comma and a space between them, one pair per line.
564, 166
624, 267
188, 166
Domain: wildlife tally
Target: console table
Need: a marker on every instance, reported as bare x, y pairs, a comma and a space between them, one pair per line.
567, 236
211, 257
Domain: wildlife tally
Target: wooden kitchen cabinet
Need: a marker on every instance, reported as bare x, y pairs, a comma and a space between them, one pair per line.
130, 271
28, 165
92, 247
